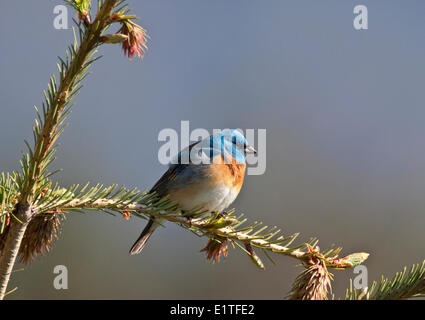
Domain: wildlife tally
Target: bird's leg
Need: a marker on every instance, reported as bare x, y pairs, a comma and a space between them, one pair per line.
222, 214
189, 219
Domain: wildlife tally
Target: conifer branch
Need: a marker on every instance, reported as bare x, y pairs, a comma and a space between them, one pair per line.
403, 285
31, 183
57, 106
230, 227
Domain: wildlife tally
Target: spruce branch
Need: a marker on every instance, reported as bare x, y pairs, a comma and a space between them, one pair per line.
32, 181
230, 227
314, 283
11, 246
56, 106
219, 228
403, 285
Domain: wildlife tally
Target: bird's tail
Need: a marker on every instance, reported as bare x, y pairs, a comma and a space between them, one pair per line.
144, 237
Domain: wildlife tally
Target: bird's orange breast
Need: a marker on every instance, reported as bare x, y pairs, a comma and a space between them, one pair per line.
230, 174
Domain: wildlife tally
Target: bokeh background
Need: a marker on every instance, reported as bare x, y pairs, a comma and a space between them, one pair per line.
344, 113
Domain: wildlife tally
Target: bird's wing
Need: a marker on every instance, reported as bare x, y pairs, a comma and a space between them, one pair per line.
162, 185
185, 153
183, 174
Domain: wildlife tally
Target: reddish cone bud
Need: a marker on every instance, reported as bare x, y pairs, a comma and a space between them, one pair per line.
135, 45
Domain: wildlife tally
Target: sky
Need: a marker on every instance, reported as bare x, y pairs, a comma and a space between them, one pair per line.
344, 115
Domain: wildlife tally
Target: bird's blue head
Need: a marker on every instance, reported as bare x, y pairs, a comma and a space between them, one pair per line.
231, 142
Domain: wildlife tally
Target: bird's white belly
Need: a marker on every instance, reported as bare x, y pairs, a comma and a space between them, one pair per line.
212, 199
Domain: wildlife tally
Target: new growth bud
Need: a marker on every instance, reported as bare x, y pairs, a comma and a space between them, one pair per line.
114, 38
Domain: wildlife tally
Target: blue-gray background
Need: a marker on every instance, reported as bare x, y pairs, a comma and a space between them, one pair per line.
344, 115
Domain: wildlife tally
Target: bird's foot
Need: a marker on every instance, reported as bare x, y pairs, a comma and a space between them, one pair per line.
189, 219
222, 214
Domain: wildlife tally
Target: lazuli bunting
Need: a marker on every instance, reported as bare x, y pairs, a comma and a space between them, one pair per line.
207, 174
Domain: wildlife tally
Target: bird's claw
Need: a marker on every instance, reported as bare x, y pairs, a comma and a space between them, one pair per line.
189, 219
222, 214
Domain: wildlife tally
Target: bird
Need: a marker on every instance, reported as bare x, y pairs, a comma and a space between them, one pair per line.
207, 174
